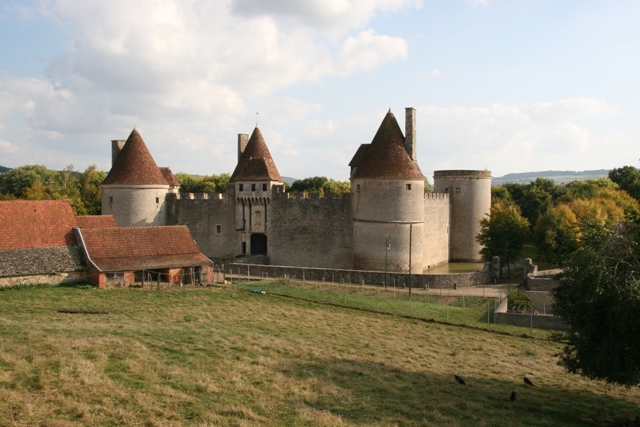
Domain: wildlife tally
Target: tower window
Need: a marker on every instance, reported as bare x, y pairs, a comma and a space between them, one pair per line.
253, 187
358, 188
157, 200
218, 229
408, 186
446, 190
240, 187
264, 187
457, 190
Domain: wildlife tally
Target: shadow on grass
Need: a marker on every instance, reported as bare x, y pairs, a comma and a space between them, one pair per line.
380, 394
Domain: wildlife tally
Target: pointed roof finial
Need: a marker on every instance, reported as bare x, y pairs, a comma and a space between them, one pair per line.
257, 118
389, 110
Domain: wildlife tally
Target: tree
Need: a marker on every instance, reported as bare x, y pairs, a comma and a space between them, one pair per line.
599, 298
628, 178
312, 184
336, 187
557, 234
90, 191
503, 234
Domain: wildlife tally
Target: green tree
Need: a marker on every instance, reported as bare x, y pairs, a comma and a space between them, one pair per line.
336, 187
17, 180
599, 298
557, 234
312, 184
503, 234
500, 194
89, 187
534, 201
628, 179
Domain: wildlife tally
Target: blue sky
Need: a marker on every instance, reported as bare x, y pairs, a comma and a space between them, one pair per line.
509, 86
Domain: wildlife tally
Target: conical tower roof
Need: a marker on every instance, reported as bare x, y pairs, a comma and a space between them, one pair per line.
255, 163
386, 157
134, 165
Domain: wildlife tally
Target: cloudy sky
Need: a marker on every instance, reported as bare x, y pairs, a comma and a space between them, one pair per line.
504, 85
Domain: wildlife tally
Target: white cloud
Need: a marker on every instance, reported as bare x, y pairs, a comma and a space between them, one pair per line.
435, 73
325, 15
8, 147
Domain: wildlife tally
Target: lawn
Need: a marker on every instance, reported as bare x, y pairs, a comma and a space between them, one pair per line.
230, 357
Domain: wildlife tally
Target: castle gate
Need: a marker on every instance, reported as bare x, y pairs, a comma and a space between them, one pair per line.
258, 244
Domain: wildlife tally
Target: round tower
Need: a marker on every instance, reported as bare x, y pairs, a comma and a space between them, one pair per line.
388, 201
470, 201
134, 191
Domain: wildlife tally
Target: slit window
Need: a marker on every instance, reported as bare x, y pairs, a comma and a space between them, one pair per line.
157, 200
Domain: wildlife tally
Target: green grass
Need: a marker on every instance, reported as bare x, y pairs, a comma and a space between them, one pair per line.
228, 357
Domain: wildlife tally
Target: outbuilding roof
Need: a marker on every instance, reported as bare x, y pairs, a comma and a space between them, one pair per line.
134, 165
36, 223
140, 248
256, 163
386, 157
96, 221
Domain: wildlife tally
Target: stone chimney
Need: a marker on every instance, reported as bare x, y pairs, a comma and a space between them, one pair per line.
243, 140
116, 148
410, 132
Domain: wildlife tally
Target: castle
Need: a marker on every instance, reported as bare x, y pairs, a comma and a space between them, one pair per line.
386, 221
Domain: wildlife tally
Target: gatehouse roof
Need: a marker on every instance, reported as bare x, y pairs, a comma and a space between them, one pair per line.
134, 165
256, 163
386, 157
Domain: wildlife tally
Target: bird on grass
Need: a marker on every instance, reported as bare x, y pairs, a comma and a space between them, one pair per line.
527, 381
459, 380
513, 396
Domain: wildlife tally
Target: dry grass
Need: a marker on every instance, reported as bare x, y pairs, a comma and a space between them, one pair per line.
227, 357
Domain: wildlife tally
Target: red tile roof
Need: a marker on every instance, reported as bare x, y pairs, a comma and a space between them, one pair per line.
96, 221
134, 165
138, 248
386, 157
169, 177
255, 163
36, 223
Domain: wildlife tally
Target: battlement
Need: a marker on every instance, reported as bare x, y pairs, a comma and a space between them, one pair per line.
308, 196
196, 196
464, 173
436, 196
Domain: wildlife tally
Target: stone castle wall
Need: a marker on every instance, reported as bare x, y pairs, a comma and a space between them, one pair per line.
135, 206
210, 219
309, 230
436, 229
470, 195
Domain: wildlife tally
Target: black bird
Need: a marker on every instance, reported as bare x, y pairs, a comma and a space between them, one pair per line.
459, 380
527, 381
513, 396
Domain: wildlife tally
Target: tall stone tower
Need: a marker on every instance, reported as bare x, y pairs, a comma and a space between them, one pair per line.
470, 198
388, 200
253, 180
134, 190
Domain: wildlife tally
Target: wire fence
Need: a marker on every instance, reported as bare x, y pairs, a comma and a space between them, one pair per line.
440, 305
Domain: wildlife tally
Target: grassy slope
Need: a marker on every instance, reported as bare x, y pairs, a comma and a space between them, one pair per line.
232, 358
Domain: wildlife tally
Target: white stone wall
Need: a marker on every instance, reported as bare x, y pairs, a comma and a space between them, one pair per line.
135, 206
470, 195
388, 207
436, 229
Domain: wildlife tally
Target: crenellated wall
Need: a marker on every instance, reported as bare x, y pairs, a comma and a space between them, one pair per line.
436, 229
309, 230
210, 219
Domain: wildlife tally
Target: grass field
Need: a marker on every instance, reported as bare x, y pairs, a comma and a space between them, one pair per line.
229, 357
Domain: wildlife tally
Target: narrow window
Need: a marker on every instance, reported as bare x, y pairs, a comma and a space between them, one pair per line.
264, 187
240, 187
446, 190
253, 187
110, 200
358, 188
408, 186
157, 200
457, 190
218, 229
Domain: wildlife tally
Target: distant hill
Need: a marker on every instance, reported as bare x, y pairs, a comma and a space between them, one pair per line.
4, 169
288, 179
559, 177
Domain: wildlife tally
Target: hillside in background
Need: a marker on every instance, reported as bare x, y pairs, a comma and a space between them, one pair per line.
4, 169
559, 177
